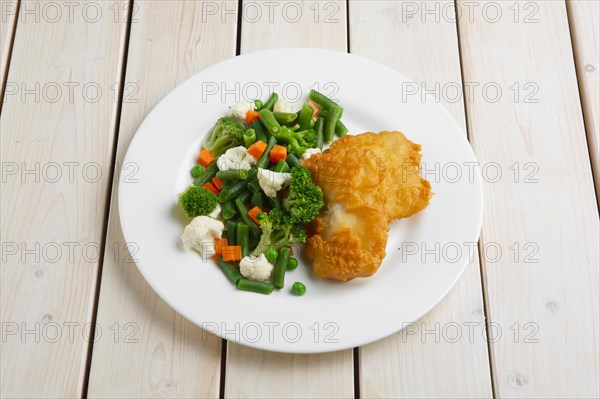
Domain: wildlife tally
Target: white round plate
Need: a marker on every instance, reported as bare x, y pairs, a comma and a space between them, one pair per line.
426, 254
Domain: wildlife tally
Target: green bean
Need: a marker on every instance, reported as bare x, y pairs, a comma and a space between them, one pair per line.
280, 267
281, 167
231, 232
242, 237
275, 202
233, 188
258, 105
257, 200
244, 216
340, 129
249, 137
321, 99
284, 117
312, 123
228, 210
259, 129
260, 287
298, 288
271, 102
254, 240
330, 121
232, 174
292, 160
263, 162
254, 186
292, 264
232, 273
272, 254
319, 127
245, 196
196, 171
207, 175
306, 114
267, 118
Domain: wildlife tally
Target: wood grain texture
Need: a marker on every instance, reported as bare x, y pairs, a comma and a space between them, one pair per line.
166, 355
56, 158
425, 360
584, 20
8, 17
252, 373
549, 286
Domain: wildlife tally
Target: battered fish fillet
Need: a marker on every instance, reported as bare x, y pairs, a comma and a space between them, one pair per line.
368, 180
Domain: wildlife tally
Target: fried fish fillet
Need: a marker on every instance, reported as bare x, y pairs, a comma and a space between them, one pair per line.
368, 180
347, 243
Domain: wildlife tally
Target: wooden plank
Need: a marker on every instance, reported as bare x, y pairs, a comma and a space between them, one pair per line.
251, 372
425, 360
56, 144
8, 16
158, 352
584, 18
542, 292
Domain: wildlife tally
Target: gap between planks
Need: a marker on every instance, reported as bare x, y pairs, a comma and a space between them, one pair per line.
8, 49
116, 126
484, 290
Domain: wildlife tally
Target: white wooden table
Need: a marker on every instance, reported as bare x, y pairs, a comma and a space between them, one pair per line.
78, 77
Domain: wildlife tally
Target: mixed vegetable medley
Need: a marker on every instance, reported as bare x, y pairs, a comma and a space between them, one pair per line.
251, 199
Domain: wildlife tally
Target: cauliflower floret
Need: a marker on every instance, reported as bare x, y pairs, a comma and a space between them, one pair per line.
216, 212
309, 153
271, 182
284, 106
256, 268
238, 111
200, 235
236, 158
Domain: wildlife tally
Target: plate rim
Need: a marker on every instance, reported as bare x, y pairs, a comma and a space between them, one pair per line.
349, 343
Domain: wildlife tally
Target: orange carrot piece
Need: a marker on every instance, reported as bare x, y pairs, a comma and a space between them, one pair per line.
251, 116
218, 182
232, 253
254, 212
211, 188
220, 243
257, 149
278, 153
315, 108
205, 158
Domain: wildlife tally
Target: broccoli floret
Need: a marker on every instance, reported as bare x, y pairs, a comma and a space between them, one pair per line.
197, 201
304, 199
297, 142
278, 231
228, 133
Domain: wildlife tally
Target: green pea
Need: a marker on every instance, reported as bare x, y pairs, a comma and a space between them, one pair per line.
298, 288
197, 171
292, 264
272, 254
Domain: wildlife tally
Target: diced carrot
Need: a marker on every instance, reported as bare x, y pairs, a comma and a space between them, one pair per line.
257, 149
205, 158
251, 116
211, 188
254, 212
232, 253
218, 182
220, 243
315, 108
278, 153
